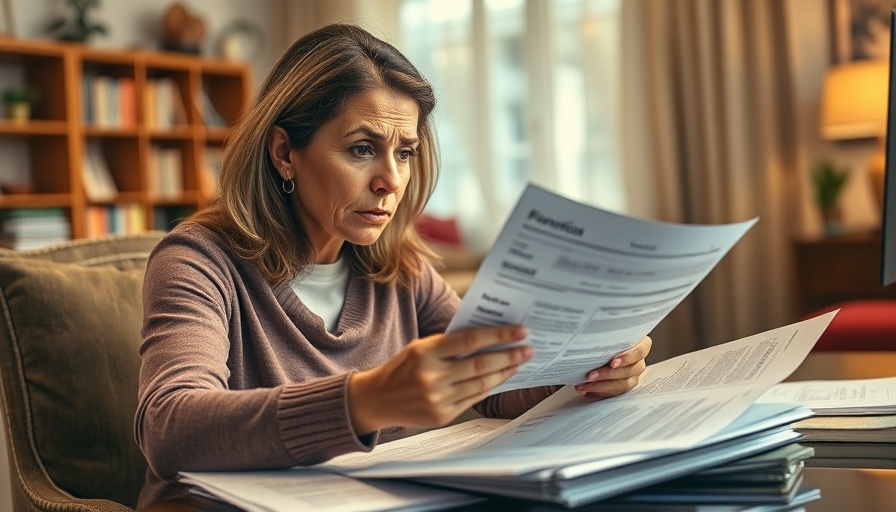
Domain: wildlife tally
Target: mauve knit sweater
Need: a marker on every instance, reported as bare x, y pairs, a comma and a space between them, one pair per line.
237, 374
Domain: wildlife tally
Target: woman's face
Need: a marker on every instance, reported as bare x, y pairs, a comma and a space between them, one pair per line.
352, 176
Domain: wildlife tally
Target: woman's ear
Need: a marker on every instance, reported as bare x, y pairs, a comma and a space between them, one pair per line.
279, 150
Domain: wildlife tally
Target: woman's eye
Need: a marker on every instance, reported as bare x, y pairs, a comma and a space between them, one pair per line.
362, 150
406, 154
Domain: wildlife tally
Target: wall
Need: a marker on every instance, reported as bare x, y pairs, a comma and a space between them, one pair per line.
138, 23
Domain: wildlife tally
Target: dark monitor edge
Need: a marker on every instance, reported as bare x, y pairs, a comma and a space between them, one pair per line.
888, 221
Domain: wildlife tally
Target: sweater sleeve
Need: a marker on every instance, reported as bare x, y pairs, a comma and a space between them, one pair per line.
188, 419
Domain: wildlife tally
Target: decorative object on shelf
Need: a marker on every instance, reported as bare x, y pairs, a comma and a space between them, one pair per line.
18, 102
79, 27
241, 40
829, 181
184, 31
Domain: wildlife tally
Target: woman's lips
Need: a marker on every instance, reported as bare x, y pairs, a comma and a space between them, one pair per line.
376, 216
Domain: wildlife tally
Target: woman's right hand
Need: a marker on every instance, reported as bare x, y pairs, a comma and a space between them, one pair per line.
427, 385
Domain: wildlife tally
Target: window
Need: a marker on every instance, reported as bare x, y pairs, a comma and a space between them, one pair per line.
527, 91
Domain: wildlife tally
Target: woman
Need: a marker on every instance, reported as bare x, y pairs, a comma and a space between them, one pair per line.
303, 320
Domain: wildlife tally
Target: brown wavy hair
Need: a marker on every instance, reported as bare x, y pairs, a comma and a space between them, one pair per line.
307, 87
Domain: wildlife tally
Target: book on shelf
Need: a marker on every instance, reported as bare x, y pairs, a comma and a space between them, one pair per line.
165, 218
209, 115
87, 108
127, 101
166, 172
590, 284
118, 219
163, 104
108, 102
99, 185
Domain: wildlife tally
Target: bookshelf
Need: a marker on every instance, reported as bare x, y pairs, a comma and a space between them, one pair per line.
121, 139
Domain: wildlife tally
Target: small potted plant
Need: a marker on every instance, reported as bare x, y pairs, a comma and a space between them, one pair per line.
18, 102
829, 181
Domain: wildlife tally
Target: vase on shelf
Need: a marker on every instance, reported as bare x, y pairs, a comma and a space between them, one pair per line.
18, 112
833, 222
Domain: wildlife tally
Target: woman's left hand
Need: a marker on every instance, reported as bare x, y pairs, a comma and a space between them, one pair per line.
621, 374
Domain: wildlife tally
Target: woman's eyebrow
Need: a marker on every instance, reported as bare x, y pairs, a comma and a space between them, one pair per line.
370, 133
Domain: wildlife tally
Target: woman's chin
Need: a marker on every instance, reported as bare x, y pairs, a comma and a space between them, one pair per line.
366, 237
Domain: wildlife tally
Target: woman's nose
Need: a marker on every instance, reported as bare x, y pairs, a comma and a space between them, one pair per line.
388, 177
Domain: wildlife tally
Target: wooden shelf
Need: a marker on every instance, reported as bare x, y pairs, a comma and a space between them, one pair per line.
99, 109
94, 131
33, 127
8, 201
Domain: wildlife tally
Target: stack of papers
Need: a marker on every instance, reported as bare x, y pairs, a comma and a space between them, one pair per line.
589, 285
867, 429
574, 451
309, 489
853, 455
855, 423
858, 397
773, 477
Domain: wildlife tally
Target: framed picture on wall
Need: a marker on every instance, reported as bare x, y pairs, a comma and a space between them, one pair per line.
860, 29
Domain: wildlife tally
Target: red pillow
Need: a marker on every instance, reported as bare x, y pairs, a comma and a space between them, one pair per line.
442, 231
860, 325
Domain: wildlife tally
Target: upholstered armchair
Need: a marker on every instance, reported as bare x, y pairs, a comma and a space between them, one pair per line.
71, 317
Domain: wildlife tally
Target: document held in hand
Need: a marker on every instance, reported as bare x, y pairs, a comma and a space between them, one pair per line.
588, 284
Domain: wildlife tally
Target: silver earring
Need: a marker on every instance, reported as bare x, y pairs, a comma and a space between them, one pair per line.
288, 188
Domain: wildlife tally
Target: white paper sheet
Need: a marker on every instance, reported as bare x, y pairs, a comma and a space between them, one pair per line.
838, 397
588, 284
309, 489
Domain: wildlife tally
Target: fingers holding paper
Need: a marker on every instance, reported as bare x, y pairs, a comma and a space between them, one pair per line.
436, 378
620, 375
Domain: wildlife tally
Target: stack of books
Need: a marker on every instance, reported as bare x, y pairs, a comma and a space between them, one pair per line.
33, 228
854, 423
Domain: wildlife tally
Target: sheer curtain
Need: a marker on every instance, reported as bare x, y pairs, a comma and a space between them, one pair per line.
528, 91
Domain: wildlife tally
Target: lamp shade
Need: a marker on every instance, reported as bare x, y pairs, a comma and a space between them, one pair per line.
854, 101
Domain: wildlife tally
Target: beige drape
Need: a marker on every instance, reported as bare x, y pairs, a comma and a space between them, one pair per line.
709, 135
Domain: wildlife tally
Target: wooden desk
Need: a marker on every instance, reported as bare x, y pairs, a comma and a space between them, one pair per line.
831, 270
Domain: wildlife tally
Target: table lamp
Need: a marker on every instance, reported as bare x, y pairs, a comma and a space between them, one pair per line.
854, 106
